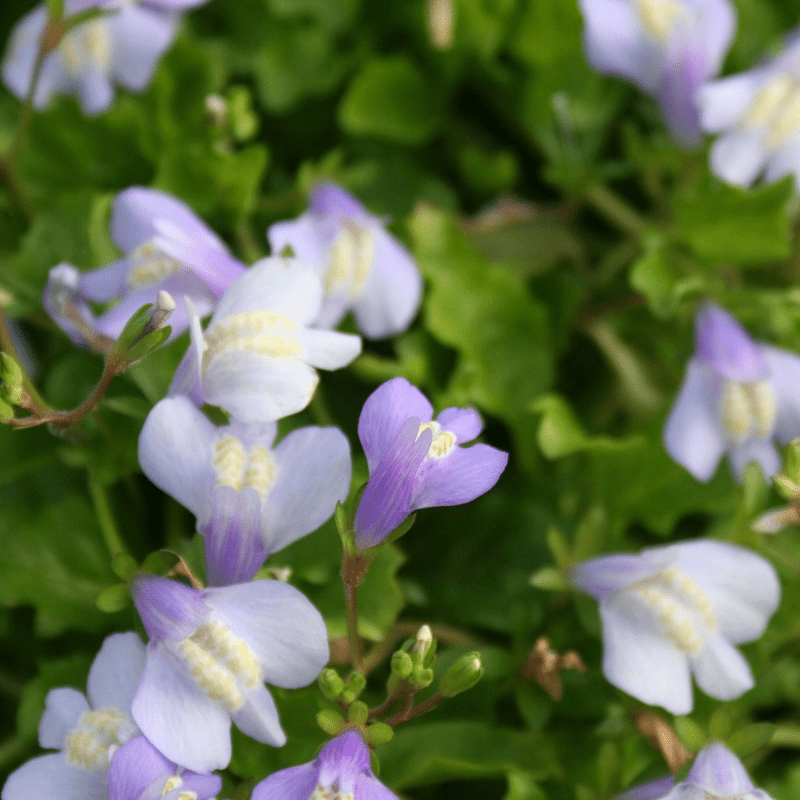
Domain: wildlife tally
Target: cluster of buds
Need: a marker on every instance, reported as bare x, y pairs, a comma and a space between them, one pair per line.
787, 484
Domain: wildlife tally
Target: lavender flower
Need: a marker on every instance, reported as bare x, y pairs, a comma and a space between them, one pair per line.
668, 48
139, 772
737, 397
250, 500
362, 266
341, 771
166, 247
255, 358
122, 47
416, 462
717, 774
756, 113
210, 652
674, 611
653, 790
85, 732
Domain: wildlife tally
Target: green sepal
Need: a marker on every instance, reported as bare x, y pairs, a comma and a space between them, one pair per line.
379, 733
113, 598
330, 721
6, 411
462, 675
786, 488
421, 678
402, 665
401, 530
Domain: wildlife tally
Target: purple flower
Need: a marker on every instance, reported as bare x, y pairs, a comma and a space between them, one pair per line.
674, 611
416, 462
653, 790
139, 772
122, 47
166, 247
85, 732
717, 774
341, 770
250, 500
668, 48
210, 652
256, 357
362, 266
756, 113
737, 397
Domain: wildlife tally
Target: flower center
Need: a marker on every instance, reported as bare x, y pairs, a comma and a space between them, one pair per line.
442, 443
221, 664
149, 264
351, 257
747, 407
681, 608
265, 333
775, 107
175, 782
660, 17
86, 47
239, 468
89, 742
330, 793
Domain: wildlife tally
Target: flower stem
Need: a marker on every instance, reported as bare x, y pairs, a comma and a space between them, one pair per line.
105, 517
351, 603
415, 711
615, 209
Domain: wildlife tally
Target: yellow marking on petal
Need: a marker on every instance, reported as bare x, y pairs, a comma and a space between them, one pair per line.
748, 408
350, 260
263, 332
87, 46
213, 679
87, 744
187, 796
229, 462
218, 640
659, 17
173, 782
442, 442
785, 123
769, 100
149, 264
261, 471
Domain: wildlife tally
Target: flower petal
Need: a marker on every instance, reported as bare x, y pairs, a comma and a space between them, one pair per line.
285, 632
724, 345
721, 670
295, 783
465, 423
168, 609
258, 718
105, 283
369, 787
784, 376
693, 434
309, 236
717, 770
63, 707
738, 157
311, 462
134, 767
653, 790
724, 102
176, 451
762, 451
95, 90
462, 475
49, 777
116, 672
384, 414
329, 349
177, 717
330, 199
641, 663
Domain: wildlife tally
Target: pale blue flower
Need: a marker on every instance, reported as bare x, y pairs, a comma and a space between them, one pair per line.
676, 611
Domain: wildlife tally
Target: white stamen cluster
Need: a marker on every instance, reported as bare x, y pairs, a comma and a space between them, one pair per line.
776, 108
149, 264
442, 443
680, 607
263, 332
239, 468
351, 257
88, 743
660, 17
748, 408
221, 663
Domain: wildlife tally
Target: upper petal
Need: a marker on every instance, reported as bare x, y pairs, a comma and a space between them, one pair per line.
652, 790
723, 344
368, 787
177, 717
784, 376
309, 236
722, 103
284, 630
717, 770
693, 433
384, 414
134, 767
295, 783
116, 672
465, 423
168, 609
606, 575
330, 199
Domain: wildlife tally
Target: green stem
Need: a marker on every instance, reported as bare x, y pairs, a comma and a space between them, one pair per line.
246, 240
105, 517
616, 210
351, 603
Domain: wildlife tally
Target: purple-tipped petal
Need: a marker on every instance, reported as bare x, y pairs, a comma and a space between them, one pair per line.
460, 476
233, 540
175, 715
63, 707
724, 345
49, 777
168, 609
784, 376
653, 790
285, 632
717, 770
384, 414
258, 718
135, 766
693, 433
330, 199
116, 672
175, 452
295, 783
311, 462
390, 298
346, 754
386, 501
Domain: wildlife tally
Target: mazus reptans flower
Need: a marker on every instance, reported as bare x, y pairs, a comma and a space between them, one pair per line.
676, 611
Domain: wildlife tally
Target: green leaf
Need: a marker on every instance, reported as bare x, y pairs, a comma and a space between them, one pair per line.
114, 598
725, 223
750, 738
390, 99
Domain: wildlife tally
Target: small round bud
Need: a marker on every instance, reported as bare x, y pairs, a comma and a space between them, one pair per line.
330, 684
421, 678
423, 642
330, 721
357, 682
786, 488
402, 665
462, 675
215, 110
379, 733
358, 713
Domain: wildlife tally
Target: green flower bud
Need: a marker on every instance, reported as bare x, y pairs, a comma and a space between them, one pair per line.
423, 642
358, 713
357, 682
421, 678
402, 664
379, 733
786, 488
11, 375
330, 684
330, 721
462, 675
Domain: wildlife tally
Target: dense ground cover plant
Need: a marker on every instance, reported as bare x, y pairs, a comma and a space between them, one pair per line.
375, 363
